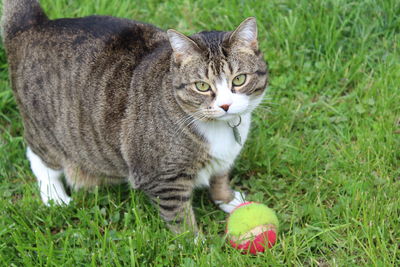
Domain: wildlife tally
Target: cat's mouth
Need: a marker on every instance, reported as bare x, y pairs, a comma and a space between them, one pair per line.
225, 117
215, 115
229, 117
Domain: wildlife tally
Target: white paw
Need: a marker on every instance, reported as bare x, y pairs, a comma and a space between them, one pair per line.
229, 207
55, 195
199, 239
49, 180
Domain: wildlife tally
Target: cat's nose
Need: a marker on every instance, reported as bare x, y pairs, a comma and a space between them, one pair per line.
225, 106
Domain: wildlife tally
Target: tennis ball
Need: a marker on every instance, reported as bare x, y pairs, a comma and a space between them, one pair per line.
252, 227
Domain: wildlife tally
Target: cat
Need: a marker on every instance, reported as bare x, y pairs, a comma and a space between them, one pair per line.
106, 100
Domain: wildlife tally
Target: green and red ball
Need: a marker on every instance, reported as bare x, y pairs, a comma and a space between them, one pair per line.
252, 227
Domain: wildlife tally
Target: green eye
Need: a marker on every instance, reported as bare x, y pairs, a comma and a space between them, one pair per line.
239, 80
202, 86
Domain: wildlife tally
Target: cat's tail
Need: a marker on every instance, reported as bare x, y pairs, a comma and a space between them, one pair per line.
19, 15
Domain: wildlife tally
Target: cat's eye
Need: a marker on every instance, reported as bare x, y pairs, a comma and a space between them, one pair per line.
239, 80
202, 86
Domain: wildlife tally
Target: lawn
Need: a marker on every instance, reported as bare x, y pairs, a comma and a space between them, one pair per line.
324, 150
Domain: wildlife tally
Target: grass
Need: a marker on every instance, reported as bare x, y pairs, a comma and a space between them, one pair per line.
326, 156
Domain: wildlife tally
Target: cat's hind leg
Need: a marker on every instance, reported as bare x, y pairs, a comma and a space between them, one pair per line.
49, 180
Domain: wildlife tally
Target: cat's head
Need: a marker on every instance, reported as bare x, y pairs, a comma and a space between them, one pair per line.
218, 75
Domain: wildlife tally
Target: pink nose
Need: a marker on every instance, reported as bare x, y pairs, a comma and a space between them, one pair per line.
225, 107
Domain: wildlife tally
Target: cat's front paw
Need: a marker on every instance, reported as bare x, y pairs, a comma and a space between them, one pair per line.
239, 198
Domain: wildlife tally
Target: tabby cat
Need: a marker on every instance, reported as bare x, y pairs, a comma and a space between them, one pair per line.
109, 100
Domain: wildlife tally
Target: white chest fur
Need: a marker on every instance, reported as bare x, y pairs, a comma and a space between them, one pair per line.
223, 147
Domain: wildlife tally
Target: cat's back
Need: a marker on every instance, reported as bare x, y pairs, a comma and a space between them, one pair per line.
88, 36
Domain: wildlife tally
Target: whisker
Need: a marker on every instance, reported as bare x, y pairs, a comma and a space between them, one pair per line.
185, 121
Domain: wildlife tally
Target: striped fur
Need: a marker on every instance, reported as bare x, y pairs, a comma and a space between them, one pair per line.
109, 100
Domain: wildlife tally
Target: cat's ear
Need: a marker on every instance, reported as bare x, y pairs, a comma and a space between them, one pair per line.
245, 35
184, 48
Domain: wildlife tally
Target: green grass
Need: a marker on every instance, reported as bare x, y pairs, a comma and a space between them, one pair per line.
326, 156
